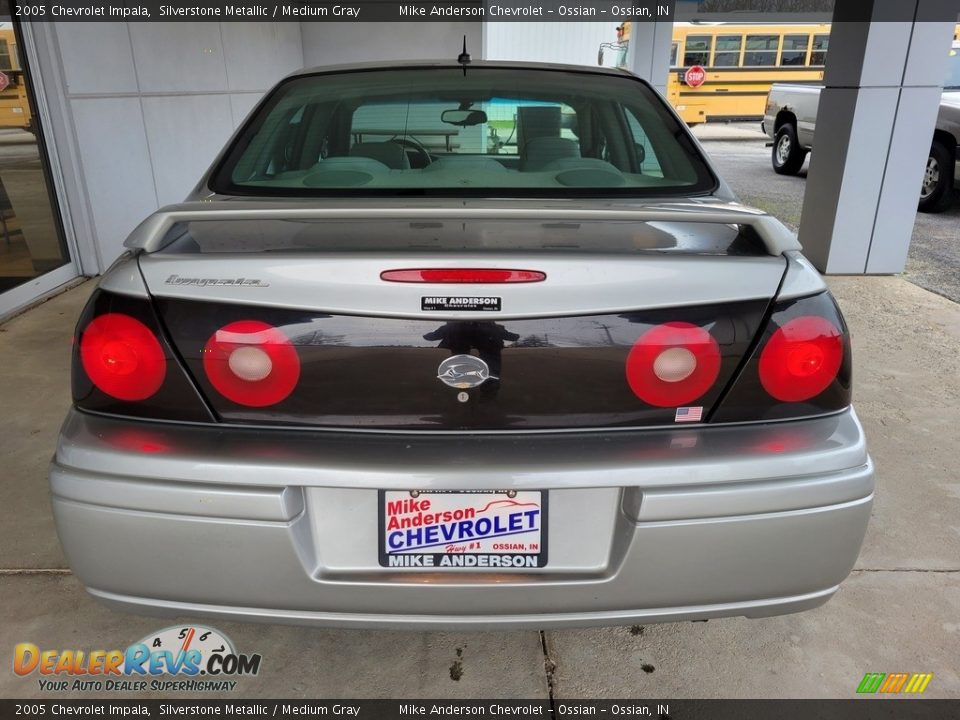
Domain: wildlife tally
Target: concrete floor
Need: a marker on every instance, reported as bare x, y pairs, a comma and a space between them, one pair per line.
744, 161
899, 611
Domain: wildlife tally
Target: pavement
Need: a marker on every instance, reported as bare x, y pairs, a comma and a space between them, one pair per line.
934, 260
730, 132
898, 611
16, 136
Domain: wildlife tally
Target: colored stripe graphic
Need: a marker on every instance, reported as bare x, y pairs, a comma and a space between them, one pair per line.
918, 682
894, 683
871, 682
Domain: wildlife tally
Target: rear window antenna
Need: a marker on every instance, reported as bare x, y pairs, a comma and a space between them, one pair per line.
464, 57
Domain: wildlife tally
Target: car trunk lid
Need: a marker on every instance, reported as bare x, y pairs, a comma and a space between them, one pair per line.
372, 352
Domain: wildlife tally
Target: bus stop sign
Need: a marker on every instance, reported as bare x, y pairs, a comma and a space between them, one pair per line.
695, 76
4, 81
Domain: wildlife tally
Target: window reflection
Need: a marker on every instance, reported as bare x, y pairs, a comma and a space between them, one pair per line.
30, 240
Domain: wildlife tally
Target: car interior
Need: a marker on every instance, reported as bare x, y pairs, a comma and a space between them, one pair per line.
454, 140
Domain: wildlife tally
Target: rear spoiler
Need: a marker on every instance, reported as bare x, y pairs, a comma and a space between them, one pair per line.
152, 234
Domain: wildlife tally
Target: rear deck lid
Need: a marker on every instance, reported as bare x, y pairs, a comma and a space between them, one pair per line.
335, 266
566, 350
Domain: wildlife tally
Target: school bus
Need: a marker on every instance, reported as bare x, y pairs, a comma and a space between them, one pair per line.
14, 106
741, 62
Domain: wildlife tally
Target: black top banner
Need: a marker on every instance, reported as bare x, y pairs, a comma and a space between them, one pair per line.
734, 11
328, 11
705, 11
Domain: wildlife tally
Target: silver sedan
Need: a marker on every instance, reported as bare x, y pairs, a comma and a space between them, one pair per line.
441, 346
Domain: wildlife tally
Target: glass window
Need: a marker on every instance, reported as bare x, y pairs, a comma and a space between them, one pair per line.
31, 242
697, 51
494, 131
761, 50
727, 53
819, 54
674, 54
646, 157
794, 50
952, 79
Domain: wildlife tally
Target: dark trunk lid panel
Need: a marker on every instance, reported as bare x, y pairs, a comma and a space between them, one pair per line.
381, 373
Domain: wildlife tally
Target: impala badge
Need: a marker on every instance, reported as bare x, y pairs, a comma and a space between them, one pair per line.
464, 372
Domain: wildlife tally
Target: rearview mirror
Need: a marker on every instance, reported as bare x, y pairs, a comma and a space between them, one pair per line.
463, 118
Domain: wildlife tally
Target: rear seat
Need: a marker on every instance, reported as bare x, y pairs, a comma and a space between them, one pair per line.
462, 163
343, 171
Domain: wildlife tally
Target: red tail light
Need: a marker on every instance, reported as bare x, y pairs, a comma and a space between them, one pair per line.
672, 365
251, 363
801, 359
122, 357
479, 276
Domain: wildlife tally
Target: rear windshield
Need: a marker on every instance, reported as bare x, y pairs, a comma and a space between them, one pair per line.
489, 132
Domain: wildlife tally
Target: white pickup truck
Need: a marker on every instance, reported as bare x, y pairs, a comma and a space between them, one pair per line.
790, 120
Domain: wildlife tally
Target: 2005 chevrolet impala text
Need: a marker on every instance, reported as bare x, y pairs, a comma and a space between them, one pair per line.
437, 345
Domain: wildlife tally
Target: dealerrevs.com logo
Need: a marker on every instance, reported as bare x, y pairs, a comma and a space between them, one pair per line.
184, 658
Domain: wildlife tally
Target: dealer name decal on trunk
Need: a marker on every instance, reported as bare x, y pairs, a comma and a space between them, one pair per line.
459, 302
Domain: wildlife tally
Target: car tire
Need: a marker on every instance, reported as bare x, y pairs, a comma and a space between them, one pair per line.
787, 155
936, 192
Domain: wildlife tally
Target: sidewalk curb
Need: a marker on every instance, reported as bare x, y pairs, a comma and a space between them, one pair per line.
732, 139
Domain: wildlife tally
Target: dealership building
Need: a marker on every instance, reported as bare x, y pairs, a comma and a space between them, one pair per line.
101, 123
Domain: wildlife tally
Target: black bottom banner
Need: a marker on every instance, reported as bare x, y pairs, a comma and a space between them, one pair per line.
859, 709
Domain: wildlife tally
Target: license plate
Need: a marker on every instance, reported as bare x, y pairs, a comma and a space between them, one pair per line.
463, 529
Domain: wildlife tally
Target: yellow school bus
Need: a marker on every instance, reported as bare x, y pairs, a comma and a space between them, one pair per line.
14, 106
741, 62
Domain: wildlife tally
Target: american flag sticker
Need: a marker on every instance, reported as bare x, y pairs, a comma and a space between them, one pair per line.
689, 414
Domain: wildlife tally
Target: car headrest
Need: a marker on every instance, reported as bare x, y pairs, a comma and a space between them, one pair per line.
390, 154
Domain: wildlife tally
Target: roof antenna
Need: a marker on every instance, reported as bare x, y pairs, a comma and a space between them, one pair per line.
464, 57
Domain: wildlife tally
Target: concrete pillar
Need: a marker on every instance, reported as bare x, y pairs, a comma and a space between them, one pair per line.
649, 52
876, 118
